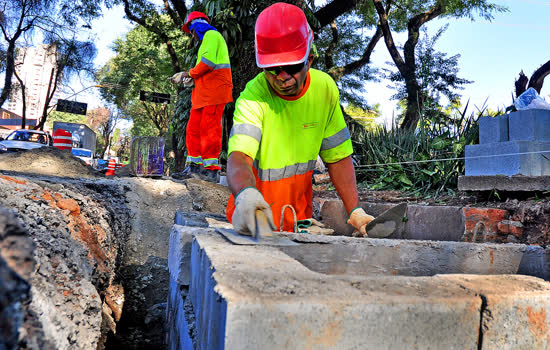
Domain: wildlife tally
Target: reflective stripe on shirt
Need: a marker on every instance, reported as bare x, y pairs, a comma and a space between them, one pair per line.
336, 139
248, 130
286, 172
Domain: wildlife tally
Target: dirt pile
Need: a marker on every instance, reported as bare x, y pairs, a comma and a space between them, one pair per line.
47, 161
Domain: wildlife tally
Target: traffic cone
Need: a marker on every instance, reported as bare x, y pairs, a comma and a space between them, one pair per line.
111, 168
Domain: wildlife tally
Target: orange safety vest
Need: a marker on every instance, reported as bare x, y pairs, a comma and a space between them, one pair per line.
212, 72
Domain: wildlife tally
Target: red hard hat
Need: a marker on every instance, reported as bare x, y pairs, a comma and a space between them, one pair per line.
193, 15
283, 36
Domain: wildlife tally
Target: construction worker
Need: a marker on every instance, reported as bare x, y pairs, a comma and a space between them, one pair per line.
287, 116
212, 91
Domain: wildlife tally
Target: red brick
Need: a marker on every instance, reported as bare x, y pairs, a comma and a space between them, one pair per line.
490, 218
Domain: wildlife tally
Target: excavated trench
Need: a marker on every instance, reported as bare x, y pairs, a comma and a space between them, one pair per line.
83, 260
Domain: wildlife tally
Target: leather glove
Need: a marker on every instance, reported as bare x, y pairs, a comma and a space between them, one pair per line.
359, 219
314, 227
182, 77
244, 217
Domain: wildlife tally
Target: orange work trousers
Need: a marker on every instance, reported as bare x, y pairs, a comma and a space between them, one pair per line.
204, 136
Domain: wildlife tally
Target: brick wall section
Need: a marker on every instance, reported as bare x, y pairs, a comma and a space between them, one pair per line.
493, 224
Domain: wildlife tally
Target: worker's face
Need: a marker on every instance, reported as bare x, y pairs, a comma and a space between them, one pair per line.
289, 82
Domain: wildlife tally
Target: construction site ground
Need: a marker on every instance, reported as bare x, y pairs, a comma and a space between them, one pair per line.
86, 255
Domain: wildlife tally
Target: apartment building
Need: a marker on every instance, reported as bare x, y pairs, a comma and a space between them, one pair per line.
36, 67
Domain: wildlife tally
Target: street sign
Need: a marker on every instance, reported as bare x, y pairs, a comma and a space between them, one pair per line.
155, 97
71, 107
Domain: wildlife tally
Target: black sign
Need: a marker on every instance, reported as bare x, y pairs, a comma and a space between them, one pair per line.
155, 97
71, 107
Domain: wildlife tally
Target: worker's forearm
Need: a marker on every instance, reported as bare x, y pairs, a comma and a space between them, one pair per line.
239, 172
342, 175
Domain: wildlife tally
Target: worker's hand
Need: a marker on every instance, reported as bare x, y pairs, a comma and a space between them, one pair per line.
181, 77
359, 219
314, 227
244, 217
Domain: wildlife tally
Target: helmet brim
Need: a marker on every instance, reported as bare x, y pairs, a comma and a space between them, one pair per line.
283, 58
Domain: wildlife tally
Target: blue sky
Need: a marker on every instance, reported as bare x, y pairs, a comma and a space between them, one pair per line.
492, 53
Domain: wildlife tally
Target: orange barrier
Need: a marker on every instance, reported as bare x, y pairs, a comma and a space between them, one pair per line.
111, 168
63, 139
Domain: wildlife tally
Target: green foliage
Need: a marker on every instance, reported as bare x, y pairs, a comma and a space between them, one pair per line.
415, 161
365, 117
65, 117
141, 63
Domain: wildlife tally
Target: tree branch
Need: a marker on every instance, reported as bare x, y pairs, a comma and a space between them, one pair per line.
537, 79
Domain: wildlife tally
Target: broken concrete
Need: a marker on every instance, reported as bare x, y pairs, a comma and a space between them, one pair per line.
341, 292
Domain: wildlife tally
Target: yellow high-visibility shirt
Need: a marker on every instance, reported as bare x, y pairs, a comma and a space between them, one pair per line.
284, 136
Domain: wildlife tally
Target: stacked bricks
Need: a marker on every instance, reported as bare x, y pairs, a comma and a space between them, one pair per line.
514, 140
490, 225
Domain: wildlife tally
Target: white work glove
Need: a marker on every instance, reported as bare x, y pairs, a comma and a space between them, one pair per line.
182, 77
359, 219
244, 217
316, 227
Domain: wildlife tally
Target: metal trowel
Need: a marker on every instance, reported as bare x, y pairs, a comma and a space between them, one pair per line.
388, 222
262, 236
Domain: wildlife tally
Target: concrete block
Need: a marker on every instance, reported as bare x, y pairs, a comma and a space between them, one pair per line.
493, 129
276, 303
334, 214
177, 335
502, 158
434, 223
530, 125
423, 223
514, 312
179, 253
350, 293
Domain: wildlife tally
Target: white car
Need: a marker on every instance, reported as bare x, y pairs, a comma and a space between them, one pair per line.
23, 140
85, 154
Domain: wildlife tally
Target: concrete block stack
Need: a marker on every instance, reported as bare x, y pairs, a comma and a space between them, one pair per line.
509, 145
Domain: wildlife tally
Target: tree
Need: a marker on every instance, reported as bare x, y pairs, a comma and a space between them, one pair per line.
20, 18
412, 15
436, 75
139, 66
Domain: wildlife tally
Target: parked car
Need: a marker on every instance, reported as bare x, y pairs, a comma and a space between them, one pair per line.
85, 154
23, 140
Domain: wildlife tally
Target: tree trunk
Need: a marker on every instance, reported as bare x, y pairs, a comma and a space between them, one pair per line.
24, 101
537, 78
40, 125
10, 68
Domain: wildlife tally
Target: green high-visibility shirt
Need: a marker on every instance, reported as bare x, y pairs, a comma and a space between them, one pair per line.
284, 136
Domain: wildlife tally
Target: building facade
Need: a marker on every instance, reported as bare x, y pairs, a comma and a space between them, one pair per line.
36, 66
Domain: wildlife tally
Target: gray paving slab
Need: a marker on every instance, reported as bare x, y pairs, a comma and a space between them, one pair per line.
504, 183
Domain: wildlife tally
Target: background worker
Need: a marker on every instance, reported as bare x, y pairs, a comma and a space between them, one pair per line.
212, 91
287, 116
